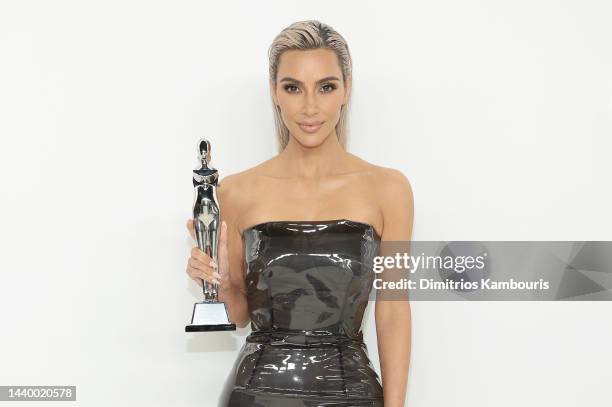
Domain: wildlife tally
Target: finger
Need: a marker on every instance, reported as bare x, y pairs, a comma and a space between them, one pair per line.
201, 275
194, 275
208, 275
202, 256
198, 265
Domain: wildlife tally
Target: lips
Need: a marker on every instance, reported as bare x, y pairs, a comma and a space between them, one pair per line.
310, 127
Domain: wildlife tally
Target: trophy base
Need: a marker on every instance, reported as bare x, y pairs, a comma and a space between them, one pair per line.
210, 328
209, 316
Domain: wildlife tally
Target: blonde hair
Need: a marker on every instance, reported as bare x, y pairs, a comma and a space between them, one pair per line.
306, 35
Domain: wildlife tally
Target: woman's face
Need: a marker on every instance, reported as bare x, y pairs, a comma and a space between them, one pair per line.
310, 93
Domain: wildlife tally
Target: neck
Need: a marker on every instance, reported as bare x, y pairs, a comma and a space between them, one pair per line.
312, 162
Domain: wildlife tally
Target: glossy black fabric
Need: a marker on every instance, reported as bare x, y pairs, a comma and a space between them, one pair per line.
308, 285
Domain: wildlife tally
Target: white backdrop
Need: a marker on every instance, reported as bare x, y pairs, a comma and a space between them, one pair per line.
499, 113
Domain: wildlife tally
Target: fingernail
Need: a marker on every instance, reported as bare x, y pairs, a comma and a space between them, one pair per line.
212, 263
216, 275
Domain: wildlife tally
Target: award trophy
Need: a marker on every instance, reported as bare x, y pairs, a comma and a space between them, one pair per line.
210, 314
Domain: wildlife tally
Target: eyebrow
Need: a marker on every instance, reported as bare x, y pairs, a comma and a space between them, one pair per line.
327, 78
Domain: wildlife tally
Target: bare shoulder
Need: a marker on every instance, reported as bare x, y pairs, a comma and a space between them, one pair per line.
385, 179
234, 191
231, 190
397, 204
393, 182
393, 193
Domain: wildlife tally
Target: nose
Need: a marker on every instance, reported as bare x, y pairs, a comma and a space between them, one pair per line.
311, 106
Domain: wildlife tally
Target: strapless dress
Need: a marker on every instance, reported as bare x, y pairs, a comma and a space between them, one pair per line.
308, 285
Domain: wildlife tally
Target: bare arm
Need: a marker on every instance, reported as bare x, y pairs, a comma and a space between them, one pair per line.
393, 318
233, 290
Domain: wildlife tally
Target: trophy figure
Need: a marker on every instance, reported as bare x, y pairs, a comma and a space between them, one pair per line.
210, 314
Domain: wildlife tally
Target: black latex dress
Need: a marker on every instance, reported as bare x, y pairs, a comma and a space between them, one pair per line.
308, 284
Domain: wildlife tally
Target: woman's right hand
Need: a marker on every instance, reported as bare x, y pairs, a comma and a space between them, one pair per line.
200, 266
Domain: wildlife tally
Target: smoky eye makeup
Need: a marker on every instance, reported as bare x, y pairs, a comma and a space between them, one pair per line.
289, 87
330, 86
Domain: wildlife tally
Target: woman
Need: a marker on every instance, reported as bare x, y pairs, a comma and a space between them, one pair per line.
296, 243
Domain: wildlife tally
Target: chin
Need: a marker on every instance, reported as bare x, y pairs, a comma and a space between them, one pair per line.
310, 140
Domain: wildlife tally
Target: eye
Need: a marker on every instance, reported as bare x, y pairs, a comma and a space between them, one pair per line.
330, 86
289, 88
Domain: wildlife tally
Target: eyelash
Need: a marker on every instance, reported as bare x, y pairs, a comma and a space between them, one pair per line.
333, 87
